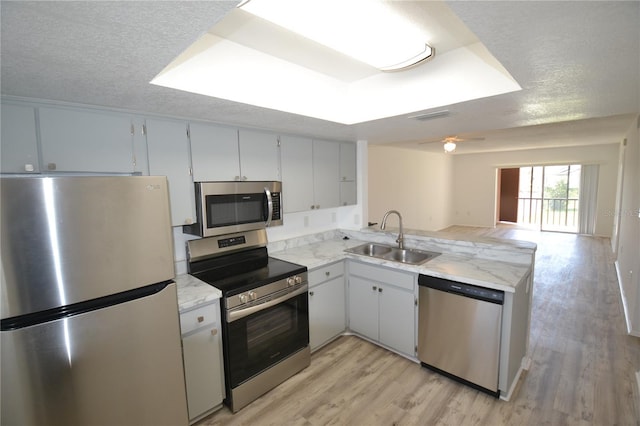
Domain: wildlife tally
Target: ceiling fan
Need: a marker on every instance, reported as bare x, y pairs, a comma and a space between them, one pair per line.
449, 142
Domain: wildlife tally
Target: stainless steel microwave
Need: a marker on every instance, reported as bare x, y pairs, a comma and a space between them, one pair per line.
227, 207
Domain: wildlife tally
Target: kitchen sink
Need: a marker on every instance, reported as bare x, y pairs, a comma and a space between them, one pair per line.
374, 250
409, 256
380, 251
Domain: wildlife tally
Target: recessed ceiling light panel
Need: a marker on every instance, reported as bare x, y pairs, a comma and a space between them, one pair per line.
367, 30
257, 62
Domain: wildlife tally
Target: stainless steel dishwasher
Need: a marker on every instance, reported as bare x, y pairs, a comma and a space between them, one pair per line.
459, 328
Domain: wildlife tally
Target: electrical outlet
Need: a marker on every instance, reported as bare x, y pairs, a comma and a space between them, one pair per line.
306, 221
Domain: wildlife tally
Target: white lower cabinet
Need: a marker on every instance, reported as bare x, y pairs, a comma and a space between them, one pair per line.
382, 306
202, 355
327, 314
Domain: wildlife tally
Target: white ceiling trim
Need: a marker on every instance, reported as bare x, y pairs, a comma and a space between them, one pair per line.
220, 68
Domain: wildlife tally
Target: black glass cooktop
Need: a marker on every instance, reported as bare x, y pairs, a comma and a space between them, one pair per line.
240, 272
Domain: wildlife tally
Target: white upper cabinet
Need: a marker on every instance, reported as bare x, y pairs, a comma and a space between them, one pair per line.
168, 148
259, 156
225, 154
347, 162
85, 141
326, 169
214, 152
313, 172
348, 192
140, 155
19, 140
297, 173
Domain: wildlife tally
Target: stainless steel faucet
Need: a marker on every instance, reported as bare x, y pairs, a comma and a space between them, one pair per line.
400, 239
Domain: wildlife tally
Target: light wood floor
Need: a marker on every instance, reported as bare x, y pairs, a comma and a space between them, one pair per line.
583, 369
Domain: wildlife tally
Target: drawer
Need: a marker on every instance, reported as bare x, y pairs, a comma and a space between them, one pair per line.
199, 317
380, 274
325, 273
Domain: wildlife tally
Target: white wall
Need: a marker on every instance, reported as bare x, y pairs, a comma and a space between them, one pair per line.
474, 183
628, 260
417, 184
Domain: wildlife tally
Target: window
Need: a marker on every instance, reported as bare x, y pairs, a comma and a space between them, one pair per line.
548, 197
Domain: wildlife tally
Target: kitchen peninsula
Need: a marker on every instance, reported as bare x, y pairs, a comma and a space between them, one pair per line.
337, 307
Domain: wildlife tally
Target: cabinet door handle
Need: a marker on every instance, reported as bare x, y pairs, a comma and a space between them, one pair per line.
327, 273
310, 293
200, 318
375, 288
214, 332
380, 290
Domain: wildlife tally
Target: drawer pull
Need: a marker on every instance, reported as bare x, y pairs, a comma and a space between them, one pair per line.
214, 332
200, 318
310, 293
327, 273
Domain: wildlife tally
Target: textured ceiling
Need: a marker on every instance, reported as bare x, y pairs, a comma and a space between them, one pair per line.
574, 61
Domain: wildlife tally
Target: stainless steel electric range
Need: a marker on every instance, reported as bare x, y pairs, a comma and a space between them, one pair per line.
265, 312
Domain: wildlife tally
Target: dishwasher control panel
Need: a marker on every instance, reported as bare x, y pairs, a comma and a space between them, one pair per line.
468, 290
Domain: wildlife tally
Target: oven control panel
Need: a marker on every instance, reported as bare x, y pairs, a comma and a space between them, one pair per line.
296, 279
266, 291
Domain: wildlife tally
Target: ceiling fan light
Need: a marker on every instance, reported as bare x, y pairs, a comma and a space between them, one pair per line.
449, 146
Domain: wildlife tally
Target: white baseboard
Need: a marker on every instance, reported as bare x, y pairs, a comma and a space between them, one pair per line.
525, 364
638, 380
627, 312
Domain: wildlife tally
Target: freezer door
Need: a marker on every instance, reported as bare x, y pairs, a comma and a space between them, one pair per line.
75, 238
120, 365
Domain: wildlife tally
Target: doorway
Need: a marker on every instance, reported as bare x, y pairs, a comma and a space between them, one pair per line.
509, 193
546, 197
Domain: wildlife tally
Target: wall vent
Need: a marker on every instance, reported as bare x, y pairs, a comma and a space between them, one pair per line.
429, 115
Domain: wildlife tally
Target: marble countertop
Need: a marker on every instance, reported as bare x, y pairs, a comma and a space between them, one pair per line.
491, 263
193, 292
460, 267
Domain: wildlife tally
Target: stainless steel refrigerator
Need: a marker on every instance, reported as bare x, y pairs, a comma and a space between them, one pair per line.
90, 332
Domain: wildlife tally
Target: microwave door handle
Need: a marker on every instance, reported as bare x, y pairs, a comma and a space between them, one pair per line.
269, 206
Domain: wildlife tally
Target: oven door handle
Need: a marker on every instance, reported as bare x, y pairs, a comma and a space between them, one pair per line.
267, 193
241, 313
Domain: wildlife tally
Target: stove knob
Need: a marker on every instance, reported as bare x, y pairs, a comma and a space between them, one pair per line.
298, 279
253, 295
291, 282
243, 298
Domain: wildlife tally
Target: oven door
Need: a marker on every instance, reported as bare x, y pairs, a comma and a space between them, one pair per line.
263, 336
227, 207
